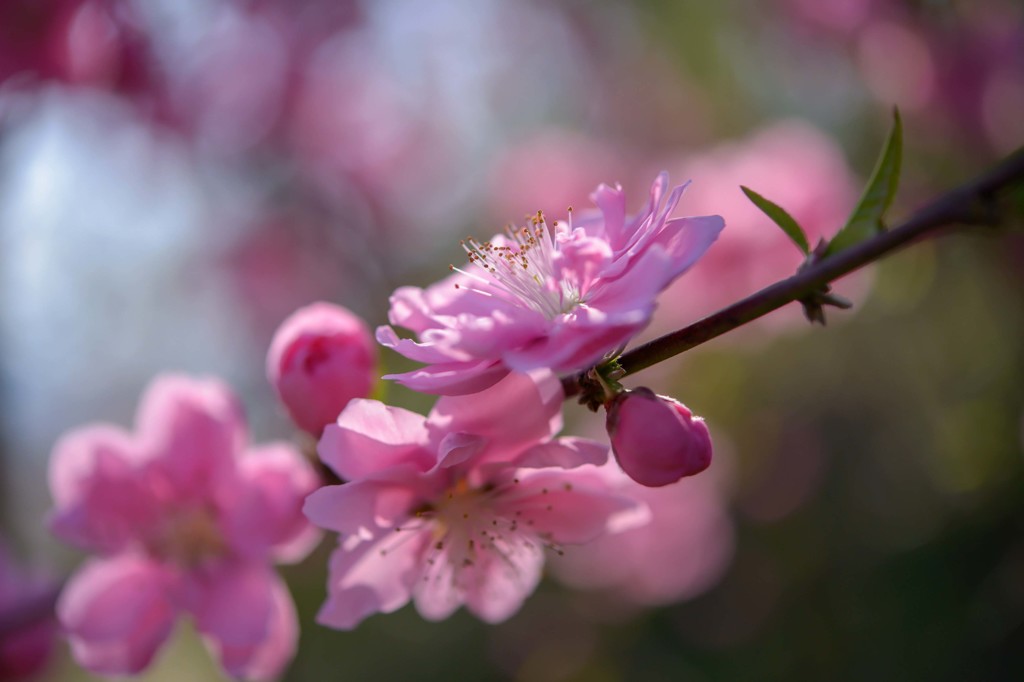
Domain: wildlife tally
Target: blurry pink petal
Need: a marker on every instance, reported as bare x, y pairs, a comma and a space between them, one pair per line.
264, 514
321, 357
683, 549
232, 603
102, 500
117, 612
266, 659
191, 429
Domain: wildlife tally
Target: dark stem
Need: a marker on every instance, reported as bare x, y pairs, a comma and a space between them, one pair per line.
969, 203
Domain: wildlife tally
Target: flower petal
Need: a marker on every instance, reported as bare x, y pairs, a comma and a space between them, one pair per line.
267, 658
264, 513
371, 436
101, 492
520, 409
564, 453
190, 430
373, 577
117, 612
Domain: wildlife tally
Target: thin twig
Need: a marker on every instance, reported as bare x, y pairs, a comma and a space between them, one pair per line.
961, 205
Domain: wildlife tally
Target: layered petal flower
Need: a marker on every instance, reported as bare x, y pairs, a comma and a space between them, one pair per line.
559, 296
462, 516
184, 520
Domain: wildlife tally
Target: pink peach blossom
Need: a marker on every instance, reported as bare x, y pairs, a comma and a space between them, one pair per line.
181, 522
682, 551
456, 508
558, 297
321, 357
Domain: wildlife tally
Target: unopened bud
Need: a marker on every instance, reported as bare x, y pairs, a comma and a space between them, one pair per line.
657, 440
321, 357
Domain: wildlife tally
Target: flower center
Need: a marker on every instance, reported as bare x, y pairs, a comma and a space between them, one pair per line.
524, 266
189, 537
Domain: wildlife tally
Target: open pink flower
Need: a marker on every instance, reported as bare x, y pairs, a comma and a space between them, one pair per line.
559, 296
182, 522
457, 507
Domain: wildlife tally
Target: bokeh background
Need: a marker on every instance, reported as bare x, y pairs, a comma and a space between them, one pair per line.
176, 176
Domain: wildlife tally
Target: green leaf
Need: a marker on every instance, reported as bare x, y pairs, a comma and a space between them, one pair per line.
866, 219
780, 218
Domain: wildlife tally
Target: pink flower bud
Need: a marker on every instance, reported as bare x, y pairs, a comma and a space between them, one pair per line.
657, 440
321, 357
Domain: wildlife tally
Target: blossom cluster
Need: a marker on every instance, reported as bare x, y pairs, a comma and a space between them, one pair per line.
460, 507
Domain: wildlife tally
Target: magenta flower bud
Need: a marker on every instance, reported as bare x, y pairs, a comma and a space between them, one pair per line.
657, 440
321, 357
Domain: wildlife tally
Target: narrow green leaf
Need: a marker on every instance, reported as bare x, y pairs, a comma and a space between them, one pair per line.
866, 219
780, 218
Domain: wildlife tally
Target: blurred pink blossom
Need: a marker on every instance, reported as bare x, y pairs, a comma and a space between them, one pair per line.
682, 551
184, 518
456, 508
657, 440
321, 357
24, 649
791, 163
550, 171
559, 296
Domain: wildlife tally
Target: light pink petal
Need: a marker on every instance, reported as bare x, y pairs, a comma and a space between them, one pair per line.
232, 602
566, 507
454, 378
586, 339
505, 578
437, 593
456, 448
372, 577
687, 239
520, 409
362, 508
371, 436
581, 261
263, 514
564, 453
117, 612
436, 349
100, 487
266, 659
612, 202
638, 286
191, 430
